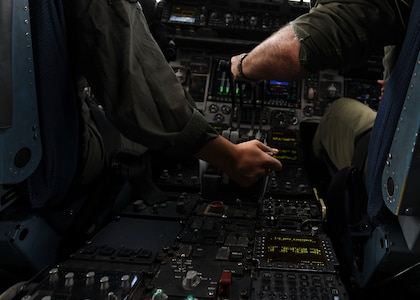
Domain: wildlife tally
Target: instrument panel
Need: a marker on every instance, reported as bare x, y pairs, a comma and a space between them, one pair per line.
207, 238
190, 247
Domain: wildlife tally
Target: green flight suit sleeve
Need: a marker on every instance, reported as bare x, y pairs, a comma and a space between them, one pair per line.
112, 46
342, 34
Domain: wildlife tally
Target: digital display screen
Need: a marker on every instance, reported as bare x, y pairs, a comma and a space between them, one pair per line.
282, 93
283, 248
285, 141
287, 154
284, 136
183, 14
222, 86
276, 93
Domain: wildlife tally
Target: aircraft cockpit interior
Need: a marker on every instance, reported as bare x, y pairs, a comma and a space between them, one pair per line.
151, 227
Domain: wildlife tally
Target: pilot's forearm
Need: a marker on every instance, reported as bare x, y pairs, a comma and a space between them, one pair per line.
275, 58
331, 36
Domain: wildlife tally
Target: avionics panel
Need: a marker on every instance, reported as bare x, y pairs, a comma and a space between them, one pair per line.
282, 94
187, 14
291, 285
318, 92
287, 141
259, 105
227, 20
321, 89
79, 281
271, 92
223, 88
295, 251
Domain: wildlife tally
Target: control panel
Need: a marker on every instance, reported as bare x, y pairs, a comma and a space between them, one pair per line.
226, 103
206, 237
266, 109
217, 21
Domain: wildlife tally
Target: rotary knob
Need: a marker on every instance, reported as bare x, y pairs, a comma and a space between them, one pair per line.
191, 280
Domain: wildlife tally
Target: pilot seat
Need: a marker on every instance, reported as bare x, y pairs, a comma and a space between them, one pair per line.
51, 131
376, 230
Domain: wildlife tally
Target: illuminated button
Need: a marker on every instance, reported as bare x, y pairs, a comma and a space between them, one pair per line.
217, 207
271, 220
225, 284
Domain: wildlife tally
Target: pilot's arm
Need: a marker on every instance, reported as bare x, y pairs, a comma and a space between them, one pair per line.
142, 97
333, 35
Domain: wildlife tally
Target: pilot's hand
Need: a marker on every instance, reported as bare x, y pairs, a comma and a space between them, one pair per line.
253, 161
245, 163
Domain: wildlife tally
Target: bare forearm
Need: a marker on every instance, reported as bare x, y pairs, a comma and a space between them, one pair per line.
275, 58
217, 152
